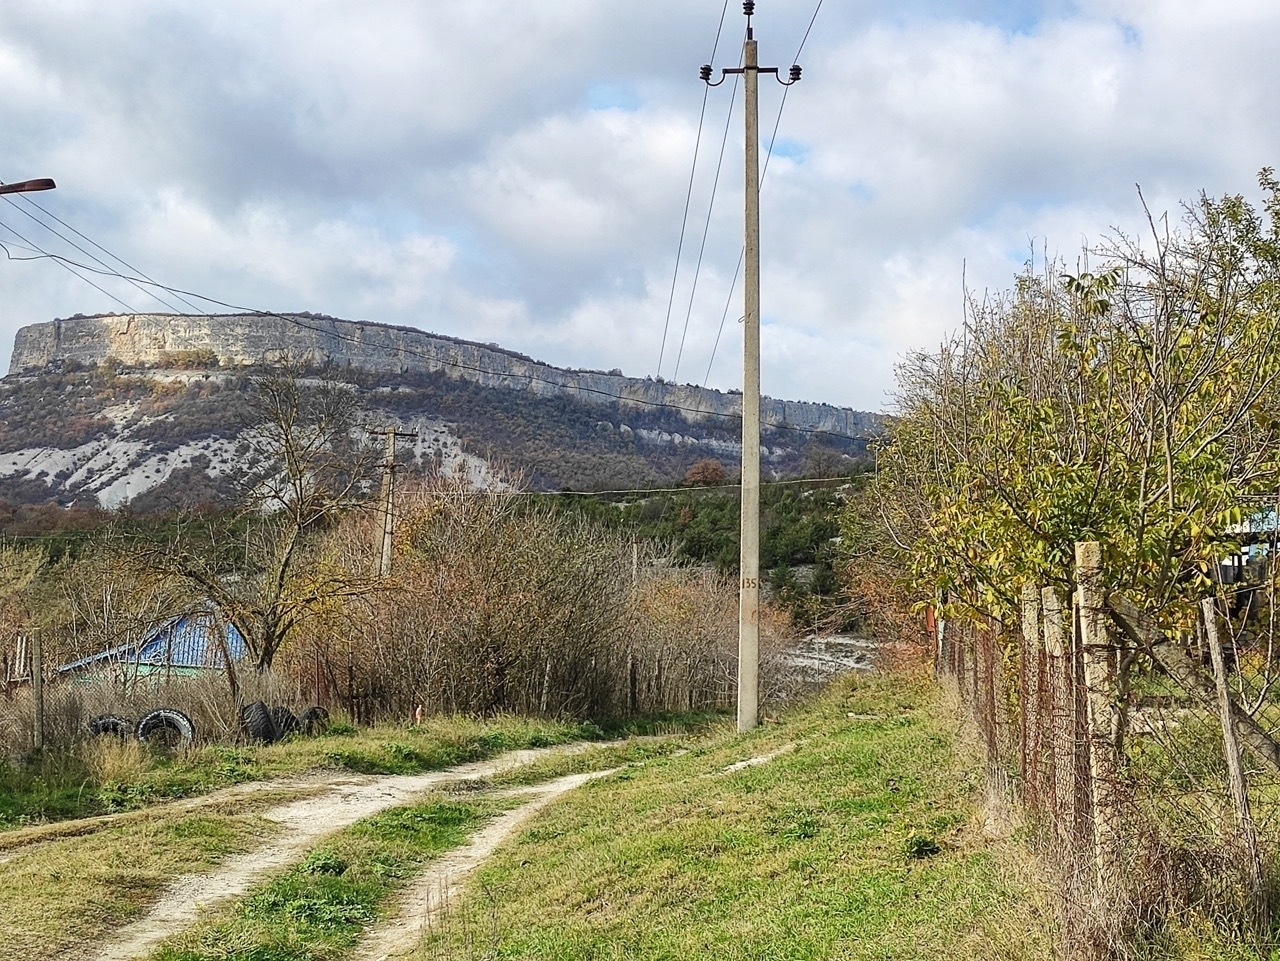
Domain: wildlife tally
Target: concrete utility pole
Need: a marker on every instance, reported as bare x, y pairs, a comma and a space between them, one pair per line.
749, 557
383, 545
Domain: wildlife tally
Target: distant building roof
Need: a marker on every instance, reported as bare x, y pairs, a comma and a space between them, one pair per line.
188, 641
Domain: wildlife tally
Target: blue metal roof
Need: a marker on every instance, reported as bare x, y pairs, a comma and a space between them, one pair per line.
186, 641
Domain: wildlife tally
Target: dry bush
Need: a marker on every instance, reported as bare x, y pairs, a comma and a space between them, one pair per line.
496, 605
683, 640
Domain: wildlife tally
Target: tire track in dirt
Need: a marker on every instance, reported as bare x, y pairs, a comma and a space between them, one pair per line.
304, 823
20, 840
430, 894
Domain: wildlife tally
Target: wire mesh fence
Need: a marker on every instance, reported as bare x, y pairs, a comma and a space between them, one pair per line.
1147, 766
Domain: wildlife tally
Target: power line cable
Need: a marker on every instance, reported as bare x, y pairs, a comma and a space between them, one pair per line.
706, 227
805, 39
89, 254
118, 259
84, 533
733, 285
682, 490
64, 262
688, 199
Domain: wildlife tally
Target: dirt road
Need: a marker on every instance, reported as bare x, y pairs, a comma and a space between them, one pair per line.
339, 804
431, 892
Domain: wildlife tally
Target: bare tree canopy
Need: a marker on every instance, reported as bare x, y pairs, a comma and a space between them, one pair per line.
264, 569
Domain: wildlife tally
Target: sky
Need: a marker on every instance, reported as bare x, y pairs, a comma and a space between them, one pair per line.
518, 173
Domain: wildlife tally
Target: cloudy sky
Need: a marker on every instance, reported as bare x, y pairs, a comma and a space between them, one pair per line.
518, 172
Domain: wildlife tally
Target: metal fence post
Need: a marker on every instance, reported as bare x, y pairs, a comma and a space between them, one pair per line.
37, 690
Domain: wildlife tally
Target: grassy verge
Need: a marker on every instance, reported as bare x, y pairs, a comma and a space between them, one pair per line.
597, 757
319, 908
67, 893
860, 839
105, 777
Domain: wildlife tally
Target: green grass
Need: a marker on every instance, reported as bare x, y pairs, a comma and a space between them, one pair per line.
319, 907
62, 786
66, 893
862, 841
597, 757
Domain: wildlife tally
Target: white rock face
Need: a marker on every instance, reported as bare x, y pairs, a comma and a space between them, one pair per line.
243, 339
118, 469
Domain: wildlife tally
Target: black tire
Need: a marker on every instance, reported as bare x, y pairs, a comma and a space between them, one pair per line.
167, 729
286, 722
113, 724
314, 720
257, 723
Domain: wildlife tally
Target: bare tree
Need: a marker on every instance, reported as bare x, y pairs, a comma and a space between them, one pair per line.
264, 569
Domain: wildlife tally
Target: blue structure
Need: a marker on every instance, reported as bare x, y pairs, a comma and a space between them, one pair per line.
187, 644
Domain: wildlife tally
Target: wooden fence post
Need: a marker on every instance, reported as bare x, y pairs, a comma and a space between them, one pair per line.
1231, 749
1101, 691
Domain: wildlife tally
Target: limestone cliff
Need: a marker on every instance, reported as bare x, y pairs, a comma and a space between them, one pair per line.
245, 339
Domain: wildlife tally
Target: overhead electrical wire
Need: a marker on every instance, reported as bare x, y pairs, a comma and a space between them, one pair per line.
98, 260
63, 262
93, 243
706, 227
688, 199
83, 533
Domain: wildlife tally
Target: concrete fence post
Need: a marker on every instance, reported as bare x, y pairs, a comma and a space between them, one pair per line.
1062, 713
1030, 713
1101, 691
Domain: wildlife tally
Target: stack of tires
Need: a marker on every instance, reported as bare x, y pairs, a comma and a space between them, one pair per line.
165, 728
267, 725
168, 729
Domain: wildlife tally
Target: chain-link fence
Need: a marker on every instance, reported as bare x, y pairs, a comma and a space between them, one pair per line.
44, 710
1145, 757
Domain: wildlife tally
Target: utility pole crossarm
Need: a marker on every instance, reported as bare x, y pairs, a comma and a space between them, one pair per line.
749, 558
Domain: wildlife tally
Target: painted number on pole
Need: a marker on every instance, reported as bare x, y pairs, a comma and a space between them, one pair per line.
751, 583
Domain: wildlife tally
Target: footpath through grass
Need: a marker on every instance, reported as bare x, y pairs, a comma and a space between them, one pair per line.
64, 895
104, 776
66, 885
320, 907
861, 839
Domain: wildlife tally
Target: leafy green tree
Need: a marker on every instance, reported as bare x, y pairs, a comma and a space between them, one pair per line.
1135, 404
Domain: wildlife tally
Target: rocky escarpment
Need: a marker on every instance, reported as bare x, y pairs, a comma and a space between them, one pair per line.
246, 339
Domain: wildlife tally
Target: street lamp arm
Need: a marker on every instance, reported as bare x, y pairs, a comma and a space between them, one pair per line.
27, 186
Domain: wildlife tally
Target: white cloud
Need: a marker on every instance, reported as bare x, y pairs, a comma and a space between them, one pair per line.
517, 173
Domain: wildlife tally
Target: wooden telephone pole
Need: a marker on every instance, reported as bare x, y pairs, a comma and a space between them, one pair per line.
749, 557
